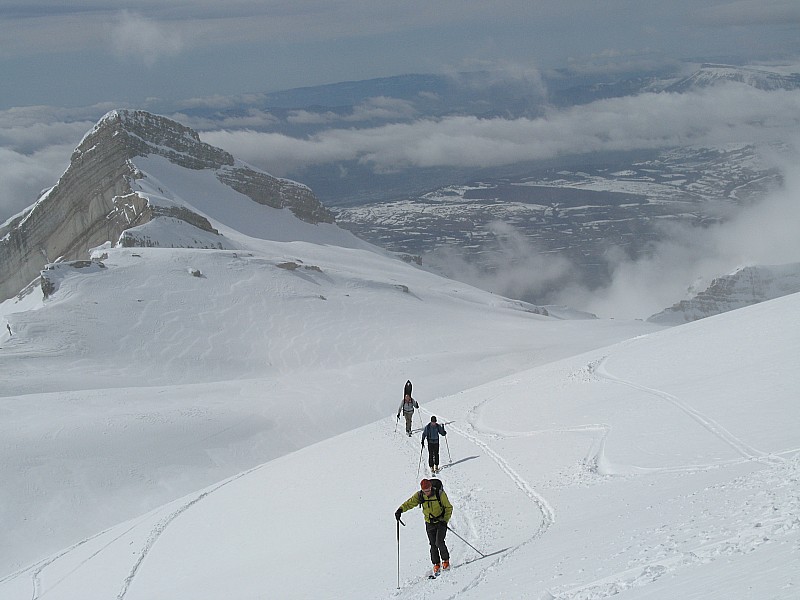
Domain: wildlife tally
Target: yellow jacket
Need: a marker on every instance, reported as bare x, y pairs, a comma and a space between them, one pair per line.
434, 510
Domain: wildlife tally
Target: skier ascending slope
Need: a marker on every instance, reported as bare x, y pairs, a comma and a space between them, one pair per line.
407, 407
437, 510
431, 434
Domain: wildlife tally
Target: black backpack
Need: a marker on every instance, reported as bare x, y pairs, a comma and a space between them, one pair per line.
436, 486
407, 389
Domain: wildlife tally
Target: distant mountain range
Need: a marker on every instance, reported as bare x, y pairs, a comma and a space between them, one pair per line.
487, 94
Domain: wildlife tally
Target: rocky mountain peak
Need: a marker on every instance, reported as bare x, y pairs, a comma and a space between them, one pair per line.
94, 201
140, 133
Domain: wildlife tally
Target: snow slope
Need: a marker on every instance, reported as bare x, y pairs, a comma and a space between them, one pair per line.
221, 423
658, 467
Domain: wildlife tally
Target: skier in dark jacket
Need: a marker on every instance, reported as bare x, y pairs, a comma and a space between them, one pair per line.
437, 510
407, 407
431, 433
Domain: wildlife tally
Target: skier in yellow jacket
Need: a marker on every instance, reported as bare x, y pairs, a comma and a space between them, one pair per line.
437, 510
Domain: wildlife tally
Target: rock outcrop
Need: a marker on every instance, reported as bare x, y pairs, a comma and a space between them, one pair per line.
94, 202
746, 286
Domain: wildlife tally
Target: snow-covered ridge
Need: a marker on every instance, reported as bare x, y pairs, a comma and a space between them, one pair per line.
713, 74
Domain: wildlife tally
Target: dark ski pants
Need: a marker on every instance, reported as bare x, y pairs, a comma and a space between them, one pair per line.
436, 533
433, 454
409, 416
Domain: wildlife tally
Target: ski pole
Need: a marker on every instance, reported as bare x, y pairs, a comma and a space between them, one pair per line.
466, 542
399, 522
422, 447
446, 443
396, 422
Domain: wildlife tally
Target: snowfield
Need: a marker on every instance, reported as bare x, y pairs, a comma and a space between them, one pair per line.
208, 424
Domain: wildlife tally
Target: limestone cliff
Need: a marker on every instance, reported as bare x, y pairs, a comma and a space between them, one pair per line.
746, 286
94, 202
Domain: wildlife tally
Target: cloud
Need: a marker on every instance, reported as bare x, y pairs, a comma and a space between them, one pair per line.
27, 140
690, 257
305, 117
36, 24
24, 176
614, 62
512, 266
35, 147
378, 108
132, 35
382, 108
676, 268
219, 101
251, 119
276, 153
747, 13
483, 75
718, 115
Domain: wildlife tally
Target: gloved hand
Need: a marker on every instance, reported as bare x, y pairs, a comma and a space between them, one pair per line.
398, 415
397, 513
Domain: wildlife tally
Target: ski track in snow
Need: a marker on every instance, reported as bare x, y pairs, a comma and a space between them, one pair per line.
38, 571
547, 511
162, 525
37, 568
741, 542
156, 532
747, 451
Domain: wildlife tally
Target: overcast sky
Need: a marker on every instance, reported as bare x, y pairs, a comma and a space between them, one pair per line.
90, 51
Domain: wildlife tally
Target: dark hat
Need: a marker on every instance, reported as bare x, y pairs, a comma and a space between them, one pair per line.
433, 419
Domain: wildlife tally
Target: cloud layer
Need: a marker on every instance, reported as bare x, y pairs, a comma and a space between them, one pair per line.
763, 234
715, 116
